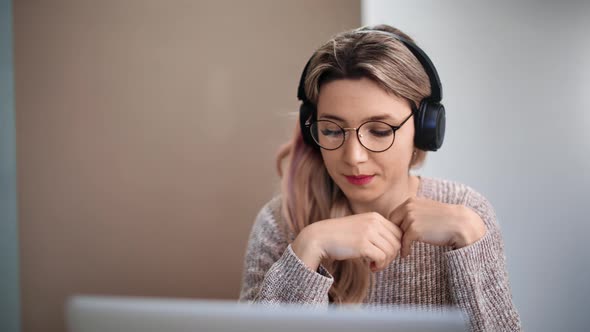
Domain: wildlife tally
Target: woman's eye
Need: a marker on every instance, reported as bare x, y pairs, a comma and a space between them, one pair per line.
381, 133
332, 133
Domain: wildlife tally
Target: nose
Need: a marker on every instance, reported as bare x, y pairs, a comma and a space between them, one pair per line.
353, 151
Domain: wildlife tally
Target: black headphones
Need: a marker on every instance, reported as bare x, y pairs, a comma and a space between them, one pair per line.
429, 118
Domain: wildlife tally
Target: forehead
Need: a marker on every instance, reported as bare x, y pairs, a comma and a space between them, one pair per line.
354, 100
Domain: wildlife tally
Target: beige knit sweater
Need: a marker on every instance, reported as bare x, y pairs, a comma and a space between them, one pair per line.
474, 278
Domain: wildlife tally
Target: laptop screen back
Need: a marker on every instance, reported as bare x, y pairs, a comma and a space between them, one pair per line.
130, 314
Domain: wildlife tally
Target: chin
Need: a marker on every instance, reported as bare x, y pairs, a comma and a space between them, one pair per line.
360, 195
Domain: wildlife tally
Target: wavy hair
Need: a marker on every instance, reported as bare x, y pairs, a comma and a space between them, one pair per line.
308, 193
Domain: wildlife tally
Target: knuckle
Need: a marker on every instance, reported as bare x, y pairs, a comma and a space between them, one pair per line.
365, 239
388, 257
370, 224
383, 255
410, 233
365, 250
364, 245
366, 229
375, 217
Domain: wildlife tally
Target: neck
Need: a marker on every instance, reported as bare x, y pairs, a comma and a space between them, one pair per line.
389, 201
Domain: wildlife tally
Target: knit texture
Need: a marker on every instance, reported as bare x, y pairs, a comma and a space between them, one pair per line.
473, 278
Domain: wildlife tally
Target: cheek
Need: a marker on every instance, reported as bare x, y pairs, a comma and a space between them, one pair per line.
330, 161
404, 142
396, 160
405, 137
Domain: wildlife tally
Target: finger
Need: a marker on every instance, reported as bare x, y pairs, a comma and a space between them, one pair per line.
406, 223
392, 239
373, 266
407, 241
398, 214
392, 229
387, 248
374, 254
394, 249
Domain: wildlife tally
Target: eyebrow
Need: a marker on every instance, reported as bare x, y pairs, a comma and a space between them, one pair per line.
371, 118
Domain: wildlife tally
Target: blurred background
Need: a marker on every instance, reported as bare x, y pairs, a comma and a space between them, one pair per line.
138, 139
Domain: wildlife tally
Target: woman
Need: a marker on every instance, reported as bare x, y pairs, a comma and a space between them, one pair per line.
352, 224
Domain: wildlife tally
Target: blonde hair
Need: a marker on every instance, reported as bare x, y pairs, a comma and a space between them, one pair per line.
308, 192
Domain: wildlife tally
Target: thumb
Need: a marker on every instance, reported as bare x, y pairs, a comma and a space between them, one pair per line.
407, 241
397, 215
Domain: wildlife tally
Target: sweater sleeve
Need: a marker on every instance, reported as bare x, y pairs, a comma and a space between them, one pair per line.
273, 274
478, 276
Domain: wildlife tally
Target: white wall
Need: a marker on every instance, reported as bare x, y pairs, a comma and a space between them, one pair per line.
515, 79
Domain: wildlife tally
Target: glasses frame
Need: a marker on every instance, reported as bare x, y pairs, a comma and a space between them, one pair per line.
344, 130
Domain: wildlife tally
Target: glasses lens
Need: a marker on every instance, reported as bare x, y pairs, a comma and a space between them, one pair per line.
327, 134
376, 136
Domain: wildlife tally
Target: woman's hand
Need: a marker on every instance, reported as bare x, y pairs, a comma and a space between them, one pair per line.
436, 223
367, 235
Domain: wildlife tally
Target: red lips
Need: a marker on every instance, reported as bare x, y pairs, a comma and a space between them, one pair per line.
359, 180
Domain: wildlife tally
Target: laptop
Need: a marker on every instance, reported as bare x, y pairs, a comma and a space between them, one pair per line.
131, 314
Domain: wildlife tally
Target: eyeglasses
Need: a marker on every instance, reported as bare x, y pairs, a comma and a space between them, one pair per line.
375, 136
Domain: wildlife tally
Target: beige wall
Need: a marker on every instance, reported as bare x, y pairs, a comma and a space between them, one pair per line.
146, 134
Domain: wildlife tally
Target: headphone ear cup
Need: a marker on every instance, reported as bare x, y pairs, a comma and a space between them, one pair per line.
429, 126
306, 111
